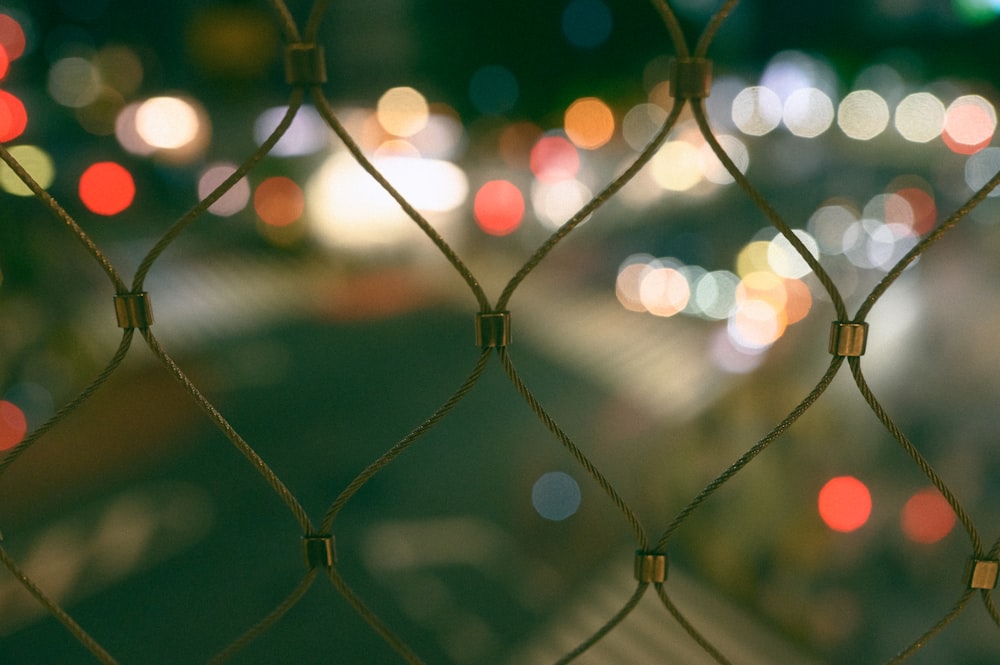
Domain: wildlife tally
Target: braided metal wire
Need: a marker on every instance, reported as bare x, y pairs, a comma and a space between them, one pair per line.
672, 611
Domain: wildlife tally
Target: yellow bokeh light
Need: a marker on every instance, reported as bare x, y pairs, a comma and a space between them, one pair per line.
402, 111
753, 258
676, 166
35, 161
589, 123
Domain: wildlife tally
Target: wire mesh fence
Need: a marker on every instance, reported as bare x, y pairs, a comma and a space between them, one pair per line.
494, 328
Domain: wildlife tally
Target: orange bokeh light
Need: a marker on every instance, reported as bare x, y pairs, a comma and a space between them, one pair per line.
845, 504
499, 207
927, 517
589, 123
106, 188
13, 425
279, 201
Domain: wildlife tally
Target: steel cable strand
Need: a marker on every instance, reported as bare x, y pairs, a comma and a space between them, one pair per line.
295, 101
608, 626
776, 220
352, 146
749, 455
372, 619
265, 624
583, 460
713, 27
922, 641
234, 437
598, 477
915, 455
56, 611
73, 404
367, 474
285, 21
988, 593
596, 202
315, 18
925, 243
53, 206
707, 646
991, 607
400, 447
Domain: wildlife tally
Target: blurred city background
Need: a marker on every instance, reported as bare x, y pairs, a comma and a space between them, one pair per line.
666, 335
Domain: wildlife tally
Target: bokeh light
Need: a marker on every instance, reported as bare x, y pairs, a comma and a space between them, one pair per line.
927, 517
629, 281
74, 82
554, 158
785, 260
808, 112
664, 291
676, 166
555, 203
36, 161
981, 167
234, 200
920, 117
120, 68
13, 425
12, 38
99, 116
307, 133
589, 123
402, 111
556, 496
169, 123
863, 115
499, 207
715, 294
349, 210
641, 123
279, 201
969, 124
711, 166
757, 110
845, 504
13, 117
106, 188
493, 90
586, 24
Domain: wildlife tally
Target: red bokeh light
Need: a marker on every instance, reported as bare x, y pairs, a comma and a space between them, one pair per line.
923, 207
499, 207
927, 517
554, 158
12, 39
279, 201
13, 117
13, 425
106, 188
845, 504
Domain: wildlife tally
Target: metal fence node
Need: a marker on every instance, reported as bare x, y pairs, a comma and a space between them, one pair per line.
690, 77
133, 310
650, 567
305, 64
983, 574
848, 339
318, 550
492, 329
